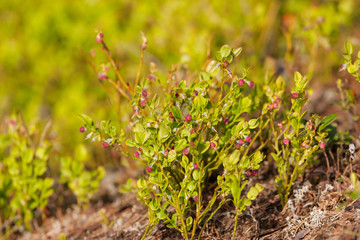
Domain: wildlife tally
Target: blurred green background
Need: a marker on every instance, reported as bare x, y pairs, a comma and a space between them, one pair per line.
44, 71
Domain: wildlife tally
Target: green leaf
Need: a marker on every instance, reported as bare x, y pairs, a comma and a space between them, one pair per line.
234, 157
348, 48
252, 193
182, 84
191, 186
28, 155
225, 51
235, 190
352, 68
162, 214
141, 183
353, 178
86, 119
139, 137
259, 187
300, 82
176, 112
139, 128
180, 145
213, 68
253, 123
189, 222
204, 76
172, 155
237, 51
327, 121
129, 143
200, 102
163, 133
246, 202
153, 205
196, 174
204, 147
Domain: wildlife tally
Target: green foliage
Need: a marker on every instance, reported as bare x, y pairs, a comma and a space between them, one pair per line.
351, 66
355, 193
184, 135
295, 141
24, 187
83, 183
25, 181
213, 125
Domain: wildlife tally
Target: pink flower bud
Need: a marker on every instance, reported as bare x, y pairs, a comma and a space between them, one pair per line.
251, 84
151, 77
171, 115
185, 151
196, 166
226, 120
82, 129
248, 139
241, 82
166, 152
188, 118
212, 145
148, 169
102, 76
294, 95
254, 172
277, 100
248, 173
101, 35
275, 105
241, 142
192, 144
144, 93
143, 103
140, 150
105, 145
137, 154
322, 145
196, 198
286, 141
192, 130
196, 92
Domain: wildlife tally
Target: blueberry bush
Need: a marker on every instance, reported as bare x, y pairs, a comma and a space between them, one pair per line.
218, 124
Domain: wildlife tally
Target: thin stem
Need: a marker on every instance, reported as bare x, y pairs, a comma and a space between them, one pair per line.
148, 227
212, 214
27, 132
236, 220
107, 52
288, 187
139, 69
256, 135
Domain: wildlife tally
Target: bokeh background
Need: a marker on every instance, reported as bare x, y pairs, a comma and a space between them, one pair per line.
45, 46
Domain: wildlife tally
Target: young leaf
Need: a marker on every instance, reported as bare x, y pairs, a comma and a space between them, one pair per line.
181, 144
225, 51
327, 121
